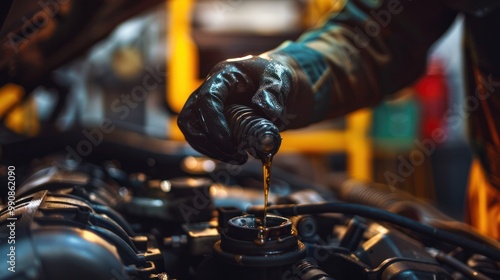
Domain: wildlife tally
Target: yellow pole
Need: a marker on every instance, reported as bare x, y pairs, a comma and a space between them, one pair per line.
359, 148
182, 57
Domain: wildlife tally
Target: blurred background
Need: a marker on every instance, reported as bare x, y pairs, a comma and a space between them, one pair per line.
110, 89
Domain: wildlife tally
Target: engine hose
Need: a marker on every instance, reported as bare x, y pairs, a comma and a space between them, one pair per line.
112, 226
124, 250
456, 264
354, 191
381, 196
306, 270
382, 215
115, 216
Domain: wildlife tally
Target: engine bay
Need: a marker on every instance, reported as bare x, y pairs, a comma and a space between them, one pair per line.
97, 181
92, 221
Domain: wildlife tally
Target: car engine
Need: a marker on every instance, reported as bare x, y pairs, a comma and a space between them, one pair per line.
96, 190
96, 221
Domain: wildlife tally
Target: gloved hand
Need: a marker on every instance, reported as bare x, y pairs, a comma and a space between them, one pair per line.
328, 72
272, 84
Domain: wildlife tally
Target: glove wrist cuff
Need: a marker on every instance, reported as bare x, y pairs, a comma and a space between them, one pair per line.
312, 76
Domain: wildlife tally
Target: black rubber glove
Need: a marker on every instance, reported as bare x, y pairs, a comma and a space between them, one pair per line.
271, 84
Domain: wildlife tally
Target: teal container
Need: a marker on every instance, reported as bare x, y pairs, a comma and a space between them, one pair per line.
395, 124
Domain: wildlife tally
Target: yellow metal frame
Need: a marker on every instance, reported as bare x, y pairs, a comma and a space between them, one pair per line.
23, 118
182, 69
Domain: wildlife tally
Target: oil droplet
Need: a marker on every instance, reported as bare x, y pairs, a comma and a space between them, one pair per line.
262, 235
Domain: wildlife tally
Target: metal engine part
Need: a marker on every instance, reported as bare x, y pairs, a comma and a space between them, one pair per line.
100, 222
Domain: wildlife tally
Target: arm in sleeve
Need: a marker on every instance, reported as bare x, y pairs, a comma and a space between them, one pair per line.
367, 51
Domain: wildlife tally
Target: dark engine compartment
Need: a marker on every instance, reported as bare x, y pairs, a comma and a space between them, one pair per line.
89, 221
131, 206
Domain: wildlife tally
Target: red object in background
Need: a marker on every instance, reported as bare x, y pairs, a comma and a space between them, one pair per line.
432, 92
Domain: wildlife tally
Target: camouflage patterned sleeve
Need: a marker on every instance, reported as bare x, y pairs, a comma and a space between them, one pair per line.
367, 51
